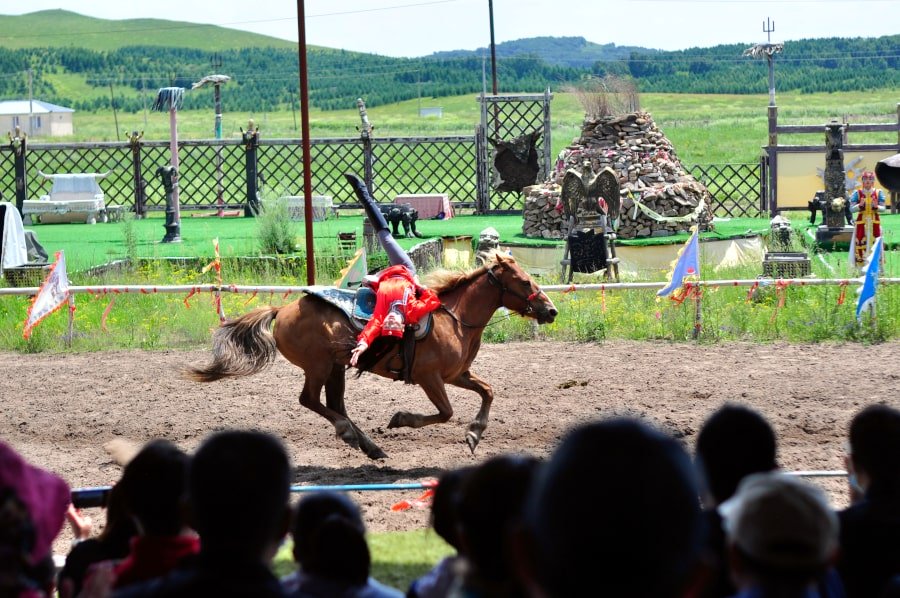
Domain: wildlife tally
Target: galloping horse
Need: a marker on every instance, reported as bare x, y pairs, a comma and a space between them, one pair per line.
317, 337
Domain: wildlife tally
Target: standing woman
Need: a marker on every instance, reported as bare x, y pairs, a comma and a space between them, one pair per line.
867, 202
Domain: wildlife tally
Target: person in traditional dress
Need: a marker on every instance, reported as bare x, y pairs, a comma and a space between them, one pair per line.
400, 299
867, 202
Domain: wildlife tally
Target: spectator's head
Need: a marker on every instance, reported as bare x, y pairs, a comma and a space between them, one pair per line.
445, 505
153, 487
238, 489
329, 538
33, 504
875, 447
734, 442
782, 531
491, 499
615, 509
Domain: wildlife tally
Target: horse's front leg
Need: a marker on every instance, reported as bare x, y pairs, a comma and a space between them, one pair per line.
334, 400
433, 386
346, 430
470, 381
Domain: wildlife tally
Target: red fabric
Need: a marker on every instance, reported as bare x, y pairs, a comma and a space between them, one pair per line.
44, 494
397, 284
154, 556
868, 211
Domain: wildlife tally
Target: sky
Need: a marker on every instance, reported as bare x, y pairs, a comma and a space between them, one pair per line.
420, 27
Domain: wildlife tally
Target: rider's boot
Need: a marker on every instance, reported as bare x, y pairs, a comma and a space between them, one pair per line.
368, 202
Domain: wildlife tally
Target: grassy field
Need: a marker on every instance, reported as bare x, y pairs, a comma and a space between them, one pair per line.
703, 128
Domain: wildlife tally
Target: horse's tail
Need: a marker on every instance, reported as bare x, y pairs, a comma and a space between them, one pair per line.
241, 347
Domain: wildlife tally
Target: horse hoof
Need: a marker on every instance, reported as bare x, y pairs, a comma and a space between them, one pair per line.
397, 420
376, 454
472, 441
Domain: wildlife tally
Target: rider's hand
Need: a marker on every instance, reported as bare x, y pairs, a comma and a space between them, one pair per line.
357, 351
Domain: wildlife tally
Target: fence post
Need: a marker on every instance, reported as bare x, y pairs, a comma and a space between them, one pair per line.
365, 135
482, 169
18, 145
251, 145
140, 197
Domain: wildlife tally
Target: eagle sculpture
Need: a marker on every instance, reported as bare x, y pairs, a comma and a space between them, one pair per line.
586, 195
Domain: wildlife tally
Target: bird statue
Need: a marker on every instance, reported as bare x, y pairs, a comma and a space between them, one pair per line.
585, 194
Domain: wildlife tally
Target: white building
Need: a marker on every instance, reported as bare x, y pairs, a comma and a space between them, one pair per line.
36, 118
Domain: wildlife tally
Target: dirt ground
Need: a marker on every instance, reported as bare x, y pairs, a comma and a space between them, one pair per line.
60, 410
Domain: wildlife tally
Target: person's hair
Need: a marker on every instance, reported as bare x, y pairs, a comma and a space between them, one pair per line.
615, 509
875, 445
734, 442
329, 538
153, 485
491, 499
444, 515
238, 490
16, 542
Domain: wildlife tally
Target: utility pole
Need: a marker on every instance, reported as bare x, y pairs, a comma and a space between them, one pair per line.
768, 28
112, 104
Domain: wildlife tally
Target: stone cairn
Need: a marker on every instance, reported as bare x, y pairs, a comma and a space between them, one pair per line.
648, 170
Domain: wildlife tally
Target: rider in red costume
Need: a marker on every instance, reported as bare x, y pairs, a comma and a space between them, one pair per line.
400, 299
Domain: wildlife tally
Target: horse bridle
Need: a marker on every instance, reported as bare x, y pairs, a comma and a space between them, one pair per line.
494, 280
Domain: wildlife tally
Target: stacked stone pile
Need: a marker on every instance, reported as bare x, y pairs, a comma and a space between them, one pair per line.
648, 169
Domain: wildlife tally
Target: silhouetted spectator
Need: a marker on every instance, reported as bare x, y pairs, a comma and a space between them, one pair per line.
153, 483
331, 551
491, 499
33, 505
111, 544
733, 442
782, 537
446, 575
870, 526
614, 512
238, 490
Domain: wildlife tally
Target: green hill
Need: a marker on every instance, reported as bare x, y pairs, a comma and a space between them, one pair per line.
80, 62
62, 28
560, 51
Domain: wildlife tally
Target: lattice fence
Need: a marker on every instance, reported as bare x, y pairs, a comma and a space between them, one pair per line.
736, 188
400, 165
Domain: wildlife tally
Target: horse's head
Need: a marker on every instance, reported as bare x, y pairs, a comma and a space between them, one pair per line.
518, 291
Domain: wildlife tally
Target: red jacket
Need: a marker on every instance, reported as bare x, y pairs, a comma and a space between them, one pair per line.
396, 286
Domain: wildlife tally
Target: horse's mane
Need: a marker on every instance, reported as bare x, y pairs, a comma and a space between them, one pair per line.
443, 280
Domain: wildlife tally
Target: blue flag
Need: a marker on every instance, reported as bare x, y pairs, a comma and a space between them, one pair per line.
688, 264
870, 280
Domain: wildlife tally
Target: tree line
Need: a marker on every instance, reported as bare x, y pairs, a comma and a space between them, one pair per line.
267, 78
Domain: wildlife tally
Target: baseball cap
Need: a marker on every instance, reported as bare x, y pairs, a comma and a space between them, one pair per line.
781, 521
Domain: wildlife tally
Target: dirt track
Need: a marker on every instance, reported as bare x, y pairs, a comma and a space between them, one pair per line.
59, 410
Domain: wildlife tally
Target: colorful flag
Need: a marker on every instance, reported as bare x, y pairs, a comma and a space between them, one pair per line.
870, 280
687, 264
352, 275
53, 293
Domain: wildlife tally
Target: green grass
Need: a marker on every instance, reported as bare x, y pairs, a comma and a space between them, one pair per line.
703, 128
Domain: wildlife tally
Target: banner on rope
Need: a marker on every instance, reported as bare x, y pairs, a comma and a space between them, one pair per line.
53, 293
660, 218
870, 280
352, 276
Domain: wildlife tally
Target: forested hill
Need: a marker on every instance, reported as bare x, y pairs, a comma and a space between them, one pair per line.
265, 77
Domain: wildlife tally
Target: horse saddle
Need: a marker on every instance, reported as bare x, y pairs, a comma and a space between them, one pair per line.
358, 306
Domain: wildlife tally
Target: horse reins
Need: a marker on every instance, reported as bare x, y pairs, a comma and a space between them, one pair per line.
503, 289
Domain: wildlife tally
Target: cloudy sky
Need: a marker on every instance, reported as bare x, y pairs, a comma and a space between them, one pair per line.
420, 27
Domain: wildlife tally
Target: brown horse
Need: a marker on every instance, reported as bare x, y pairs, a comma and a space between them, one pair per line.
317, 337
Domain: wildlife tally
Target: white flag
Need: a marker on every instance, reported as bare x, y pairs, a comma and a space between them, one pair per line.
53, 293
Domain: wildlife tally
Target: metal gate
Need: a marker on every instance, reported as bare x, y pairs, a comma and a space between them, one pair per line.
505, 117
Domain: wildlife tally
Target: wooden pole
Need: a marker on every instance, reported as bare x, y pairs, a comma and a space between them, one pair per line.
304, 132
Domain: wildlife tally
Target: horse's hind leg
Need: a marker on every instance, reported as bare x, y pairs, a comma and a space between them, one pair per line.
334, 400
470, 381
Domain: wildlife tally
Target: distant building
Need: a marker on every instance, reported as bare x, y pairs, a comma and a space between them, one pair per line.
47, 120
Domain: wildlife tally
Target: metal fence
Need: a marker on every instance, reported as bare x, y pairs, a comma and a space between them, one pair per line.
210, 168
